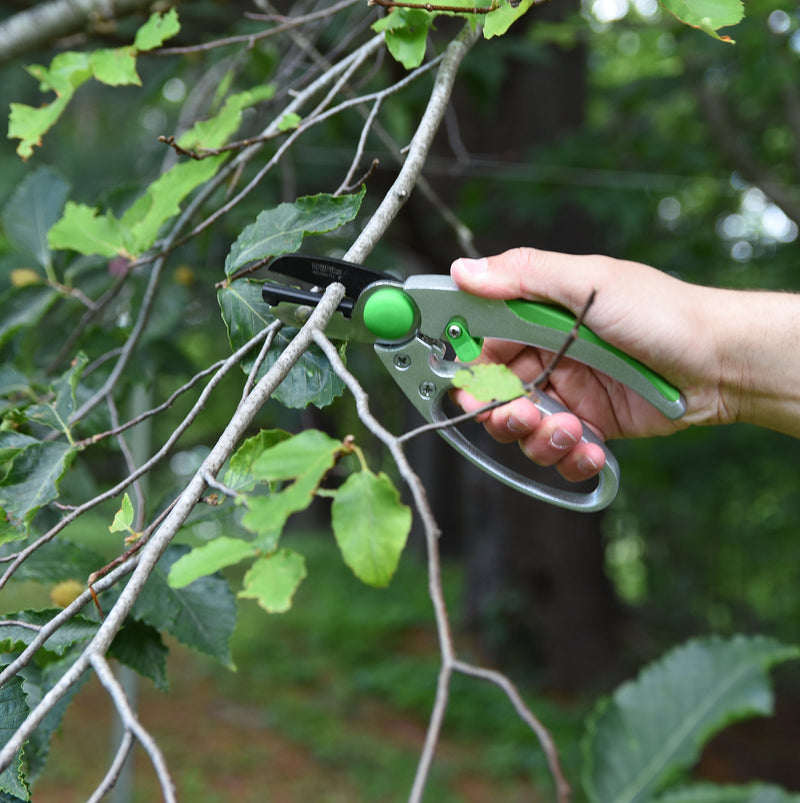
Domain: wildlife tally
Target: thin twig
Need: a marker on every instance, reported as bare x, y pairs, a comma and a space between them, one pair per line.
544, 377
18, 558
111, 433
362, 141
420, 145
262, 355
114, 770
528, 717
449, 660
132, 725
251, 39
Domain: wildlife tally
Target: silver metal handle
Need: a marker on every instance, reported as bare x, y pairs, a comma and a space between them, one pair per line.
419, 368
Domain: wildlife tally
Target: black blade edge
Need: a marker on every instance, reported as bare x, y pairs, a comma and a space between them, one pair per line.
322, 271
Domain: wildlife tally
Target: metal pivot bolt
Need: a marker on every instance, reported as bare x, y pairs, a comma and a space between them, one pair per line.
454, 331
401, 361
427, 389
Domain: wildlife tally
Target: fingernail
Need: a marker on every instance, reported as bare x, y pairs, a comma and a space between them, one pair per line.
516, 426
587, 466
474, 265
562, 439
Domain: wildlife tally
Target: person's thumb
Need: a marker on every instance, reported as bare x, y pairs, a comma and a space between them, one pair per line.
527, 273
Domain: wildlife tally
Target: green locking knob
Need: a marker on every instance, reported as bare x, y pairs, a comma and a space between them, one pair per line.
389, 313
466, 347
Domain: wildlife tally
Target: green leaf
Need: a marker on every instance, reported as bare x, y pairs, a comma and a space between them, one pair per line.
13, 637
282, 229
707, 15
309, 453
32, 209
9, 530
310, 381
202, 615
59, 560
209, 558
32, 481
499, 21
306, 458
37, 680
655, 726
13, 710
123, 519
489, 382
214, 133
140, 647
85, 230
157, 30
239, 476
57, 412
66, 73
24, 307
115, 67
371, 526
406, 34
12, 381
289, 121
140, 224
12, 443
713, 793
273, 579
82, 229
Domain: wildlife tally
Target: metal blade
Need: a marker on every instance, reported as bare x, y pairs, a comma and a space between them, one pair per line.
275, 294
322, 271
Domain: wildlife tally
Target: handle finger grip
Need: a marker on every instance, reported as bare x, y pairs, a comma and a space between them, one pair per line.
426, 379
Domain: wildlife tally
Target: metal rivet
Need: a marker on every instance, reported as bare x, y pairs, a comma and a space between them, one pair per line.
427, 389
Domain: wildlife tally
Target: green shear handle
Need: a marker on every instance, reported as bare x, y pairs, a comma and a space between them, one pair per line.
446, 314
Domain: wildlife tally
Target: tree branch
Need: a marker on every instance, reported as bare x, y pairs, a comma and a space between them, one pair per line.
449, 660
36, 27
420, 145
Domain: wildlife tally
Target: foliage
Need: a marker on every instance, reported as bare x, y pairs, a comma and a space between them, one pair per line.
651, 729
69, 70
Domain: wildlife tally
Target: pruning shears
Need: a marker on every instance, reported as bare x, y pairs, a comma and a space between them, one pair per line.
417, 325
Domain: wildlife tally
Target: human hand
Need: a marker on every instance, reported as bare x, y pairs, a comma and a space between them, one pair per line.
648, 314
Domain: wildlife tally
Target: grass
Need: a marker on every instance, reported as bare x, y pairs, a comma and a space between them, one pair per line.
329, 702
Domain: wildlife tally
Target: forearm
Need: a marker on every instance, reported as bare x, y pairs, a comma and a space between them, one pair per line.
758, 343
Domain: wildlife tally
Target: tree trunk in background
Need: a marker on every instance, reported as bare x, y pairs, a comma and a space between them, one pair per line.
536, 592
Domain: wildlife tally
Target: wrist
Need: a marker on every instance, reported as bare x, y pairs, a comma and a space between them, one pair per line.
757, 336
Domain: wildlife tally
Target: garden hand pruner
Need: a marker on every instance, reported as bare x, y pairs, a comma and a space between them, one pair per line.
413, 322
